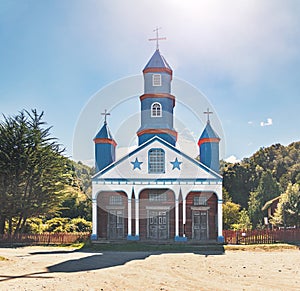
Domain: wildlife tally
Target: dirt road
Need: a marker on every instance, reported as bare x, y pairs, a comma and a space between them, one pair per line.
52, 268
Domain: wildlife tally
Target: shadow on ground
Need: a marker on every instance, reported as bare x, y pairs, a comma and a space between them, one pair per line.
91, 259
28, 276
108, 259
98, 261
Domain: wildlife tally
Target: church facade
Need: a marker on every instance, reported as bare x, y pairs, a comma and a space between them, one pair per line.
157, 192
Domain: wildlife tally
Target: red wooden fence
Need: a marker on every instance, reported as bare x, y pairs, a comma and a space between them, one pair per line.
44, 238
230, 237
261, 236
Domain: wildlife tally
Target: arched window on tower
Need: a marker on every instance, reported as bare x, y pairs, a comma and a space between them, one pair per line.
156, 110
156, 161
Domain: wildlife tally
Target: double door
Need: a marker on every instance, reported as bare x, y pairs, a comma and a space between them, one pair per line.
158, 225
200, 225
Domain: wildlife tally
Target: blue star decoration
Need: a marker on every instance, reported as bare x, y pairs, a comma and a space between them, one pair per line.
136, 164
176, 164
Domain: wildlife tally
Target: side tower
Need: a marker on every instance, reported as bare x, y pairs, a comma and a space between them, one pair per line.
105, 147
157, 103
209, 146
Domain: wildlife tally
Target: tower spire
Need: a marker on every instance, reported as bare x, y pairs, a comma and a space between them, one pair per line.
105, 146
209, 146
157, 38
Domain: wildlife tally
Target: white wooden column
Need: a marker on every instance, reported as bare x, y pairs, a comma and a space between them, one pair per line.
129, 217
137, 217
94, 220
176, 218
184, 215
220, 219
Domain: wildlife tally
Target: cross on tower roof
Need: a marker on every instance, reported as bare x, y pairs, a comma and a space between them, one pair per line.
208, 113
105, 113
157, 38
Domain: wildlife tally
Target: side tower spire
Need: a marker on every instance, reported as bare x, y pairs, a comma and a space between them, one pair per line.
209, 146
157, 103
105, 146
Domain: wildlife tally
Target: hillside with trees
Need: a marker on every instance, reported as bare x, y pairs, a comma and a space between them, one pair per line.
250, 184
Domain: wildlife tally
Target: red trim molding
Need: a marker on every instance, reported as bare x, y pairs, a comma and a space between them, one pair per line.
158, 95
105, 140
158, 131
204, 140
158, 70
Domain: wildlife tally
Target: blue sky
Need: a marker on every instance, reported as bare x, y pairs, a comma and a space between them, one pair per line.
244, 56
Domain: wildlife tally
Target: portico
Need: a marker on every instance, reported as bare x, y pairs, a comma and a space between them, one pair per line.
159, 210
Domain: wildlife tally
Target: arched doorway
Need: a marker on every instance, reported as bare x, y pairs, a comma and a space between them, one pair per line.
201, 216
112, 215
157, 214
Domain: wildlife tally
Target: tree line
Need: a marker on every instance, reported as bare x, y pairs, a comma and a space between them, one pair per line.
272, 172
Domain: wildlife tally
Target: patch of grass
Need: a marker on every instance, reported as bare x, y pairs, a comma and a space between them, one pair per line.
73, 245
147, 247
181, 247
261, 247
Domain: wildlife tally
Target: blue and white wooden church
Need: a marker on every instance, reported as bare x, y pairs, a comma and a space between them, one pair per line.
157, 192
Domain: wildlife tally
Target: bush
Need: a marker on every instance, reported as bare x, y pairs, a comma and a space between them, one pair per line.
81, 225
34, 225
58, 224
63, 224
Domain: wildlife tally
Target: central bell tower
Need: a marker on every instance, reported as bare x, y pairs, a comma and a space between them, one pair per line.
157, 103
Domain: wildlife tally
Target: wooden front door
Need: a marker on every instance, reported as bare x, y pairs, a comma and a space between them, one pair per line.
200, 228
116, 224
158, 225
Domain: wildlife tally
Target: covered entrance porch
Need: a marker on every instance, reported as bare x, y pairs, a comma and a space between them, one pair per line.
159, 214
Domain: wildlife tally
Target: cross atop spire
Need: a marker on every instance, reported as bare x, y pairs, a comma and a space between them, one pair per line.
208, 113
157, 38
105, 113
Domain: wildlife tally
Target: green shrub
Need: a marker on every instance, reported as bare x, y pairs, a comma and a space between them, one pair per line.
57, 224
63, 224
81, 225
34, 225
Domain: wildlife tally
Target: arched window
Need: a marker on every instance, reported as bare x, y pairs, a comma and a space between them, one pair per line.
156, 110
156, 161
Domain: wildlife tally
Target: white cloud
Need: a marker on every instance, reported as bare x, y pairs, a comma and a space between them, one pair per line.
232, 159
267, 123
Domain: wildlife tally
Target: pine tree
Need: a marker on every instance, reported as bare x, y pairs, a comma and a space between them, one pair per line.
32, 170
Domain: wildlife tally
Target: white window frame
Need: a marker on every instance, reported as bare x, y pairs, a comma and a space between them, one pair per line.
200, 201
156, 161
157, 197
156, 80
157, 111
115, 200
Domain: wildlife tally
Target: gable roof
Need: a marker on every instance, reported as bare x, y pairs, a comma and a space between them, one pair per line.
269, 203
208, 173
